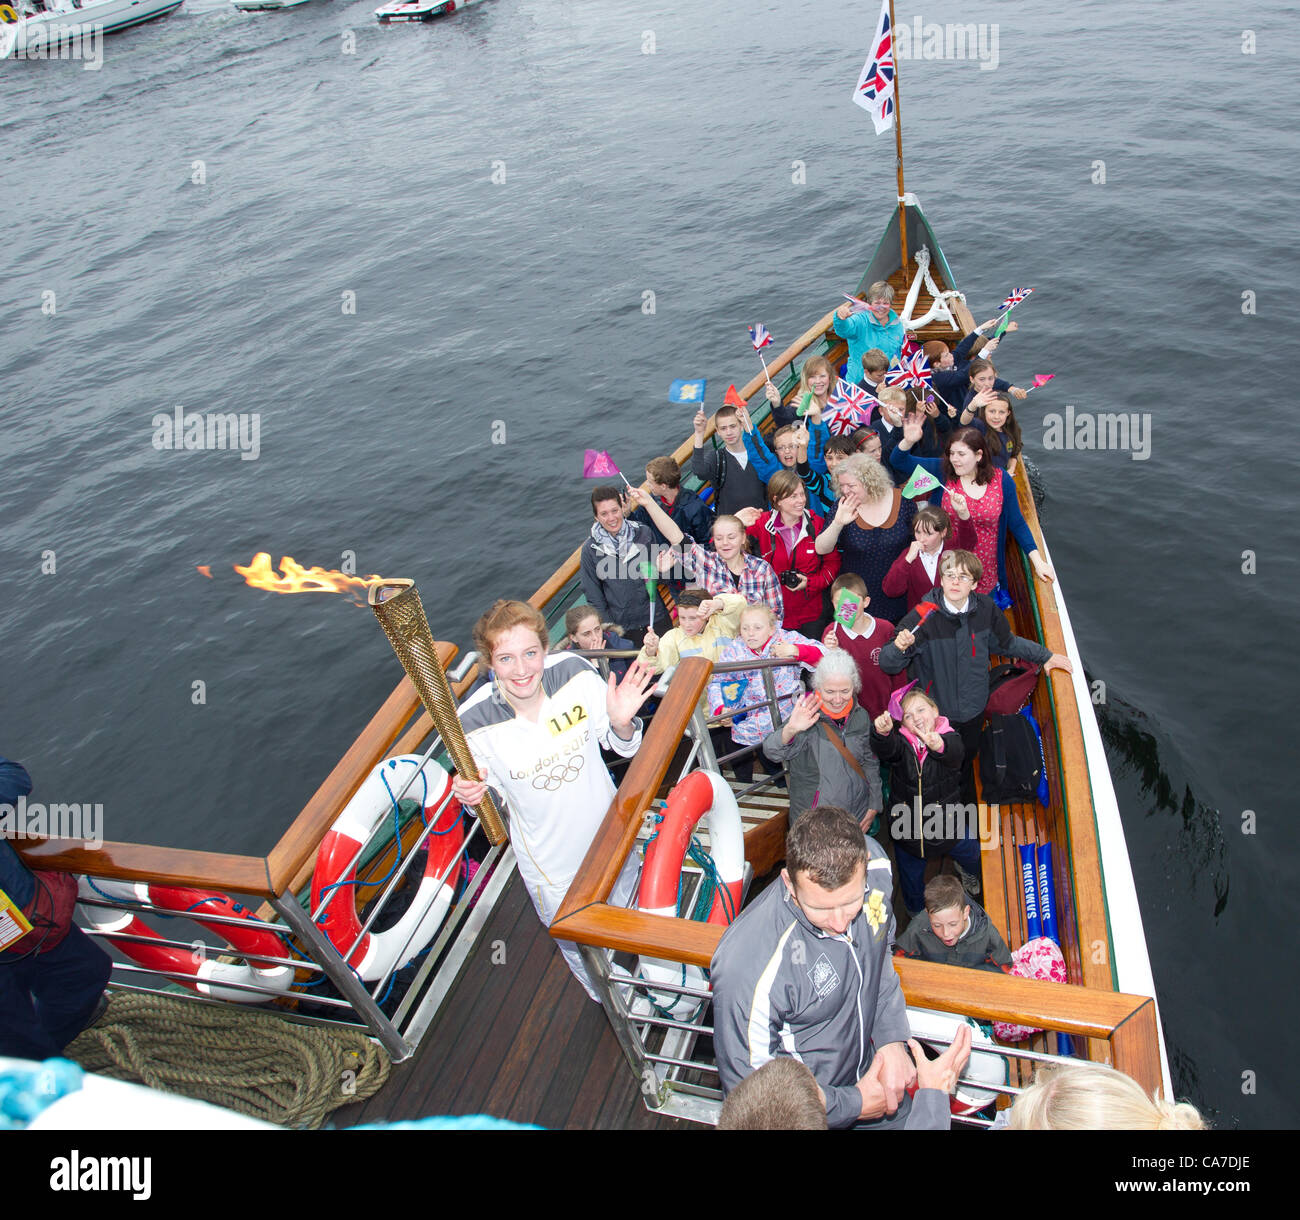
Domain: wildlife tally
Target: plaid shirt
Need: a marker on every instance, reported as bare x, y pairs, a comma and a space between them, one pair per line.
758, 584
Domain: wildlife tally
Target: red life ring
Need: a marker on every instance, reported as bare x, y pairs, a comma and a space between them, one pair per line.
375, 954
203, 973
701, 793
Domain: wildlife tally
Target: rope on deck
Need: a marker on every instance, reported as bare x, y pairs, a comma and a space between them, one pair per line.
251, 1062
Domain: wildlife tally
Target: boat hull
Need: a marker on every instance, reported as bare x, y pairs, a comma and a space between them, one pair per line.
44, 35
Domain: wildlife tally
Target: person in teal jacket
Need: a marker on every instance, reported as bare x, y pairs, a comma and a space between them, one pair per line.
878, 327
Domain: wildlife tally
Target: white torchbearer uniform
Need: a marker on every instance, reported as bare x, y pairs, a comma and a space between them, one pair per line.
553, 779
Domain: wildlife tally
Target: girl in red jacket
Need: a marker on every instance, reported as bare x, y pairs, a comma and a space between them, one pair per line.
785, 536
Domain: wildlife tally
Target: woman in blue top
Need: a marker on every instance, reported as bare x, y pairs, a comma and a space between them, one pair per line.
877, 326
972, 482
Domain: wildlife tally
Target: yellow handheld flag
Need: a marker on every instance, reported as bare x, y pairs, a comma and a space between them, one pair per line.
14, 924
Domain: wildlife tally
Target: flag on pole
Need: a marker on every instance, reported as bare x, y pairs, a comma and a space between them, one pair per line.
1041, 379
875, 89
856, 305
597, 464
1017, 295
921, 483
847, 409
1001, 326
910, 346
759, 336
732, 397
687, 391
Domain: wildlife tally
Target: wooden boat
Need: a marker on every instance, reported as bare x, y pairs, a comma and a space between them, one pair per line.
526, 1044
38, 27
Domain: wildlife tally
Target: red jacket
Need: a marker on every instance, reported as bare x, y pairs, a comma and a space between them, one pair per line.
911, 579
804, 605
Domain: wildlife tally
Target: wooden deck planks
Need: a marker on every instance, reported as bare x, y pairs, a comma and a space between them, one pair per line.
517, 1039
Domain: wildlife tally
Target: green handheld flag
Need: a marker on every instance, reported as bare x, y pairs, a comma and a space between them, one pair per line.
847, 605
1001, 326
921, 483
651, 588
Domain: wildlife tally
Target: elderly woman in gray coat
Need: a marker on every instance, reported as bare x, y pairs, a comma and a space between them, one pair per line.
825, 744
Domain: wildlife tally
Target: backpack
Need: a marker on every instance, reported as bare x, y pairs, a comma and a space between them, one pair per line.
1010, 686
1011, 763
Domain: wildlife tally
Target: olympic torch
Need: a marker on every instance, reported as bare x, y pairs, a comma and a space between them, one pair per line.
397, 606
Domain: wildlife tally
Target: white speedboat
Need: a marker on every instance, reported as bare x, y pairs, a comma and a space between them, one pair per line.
70, 29
419, 10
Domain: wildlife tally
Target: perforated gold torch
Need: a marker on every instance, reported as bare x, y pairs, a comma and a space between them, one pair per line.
397, 606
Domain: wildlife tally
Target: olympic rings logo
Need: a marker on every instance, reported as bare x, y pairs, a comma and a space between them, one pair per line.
559, 775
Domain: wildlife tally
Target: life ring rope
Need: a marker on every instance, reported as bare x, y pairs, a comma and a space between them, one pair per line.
397, 838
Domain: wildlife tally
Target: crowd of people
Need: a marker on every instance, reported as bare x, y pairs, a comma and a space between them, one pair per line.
888, 609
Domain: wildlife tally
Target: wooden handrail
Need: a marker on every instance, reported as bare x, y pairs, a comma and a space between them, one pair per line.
142, 862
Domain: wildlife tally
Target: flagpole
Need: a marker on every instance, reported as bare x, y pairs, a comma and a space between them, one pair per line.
898, 144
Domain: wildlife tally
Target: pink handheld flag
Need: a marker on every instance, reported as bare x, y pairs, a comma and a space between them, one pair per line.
597, 464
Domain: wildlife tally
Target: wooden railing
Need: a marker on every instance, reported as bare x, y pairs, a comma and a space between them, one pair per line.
1125, 1023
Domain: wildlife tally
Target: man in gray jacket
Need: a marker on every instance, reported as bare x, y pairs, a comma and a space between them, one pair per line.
806, 971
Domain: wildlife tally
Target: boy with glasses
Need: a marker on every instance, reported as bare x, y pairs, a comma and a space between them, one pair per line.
946, 650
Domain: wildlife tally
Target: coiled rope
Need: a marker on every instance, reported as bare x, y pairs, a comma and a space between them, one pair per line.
251, 1062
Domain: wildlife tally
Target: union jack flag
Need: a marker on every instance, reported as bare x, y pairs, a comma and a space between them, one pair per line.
759, 335
1017, 295
910, 346
847, 409
913, 370
875, 89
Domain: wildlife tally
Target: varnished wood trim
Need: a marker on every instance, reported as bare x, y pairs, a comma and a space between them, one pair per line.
246, 875
765, 844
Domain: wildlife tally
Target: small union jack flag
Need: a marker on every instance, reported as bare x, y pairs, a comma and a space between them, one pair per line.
1017, 295
847, 409
875, 89
910, 346
759, 336
913, 370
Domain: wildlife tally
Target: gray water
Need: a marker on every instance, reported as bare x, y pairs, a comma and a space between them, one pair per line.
338, 156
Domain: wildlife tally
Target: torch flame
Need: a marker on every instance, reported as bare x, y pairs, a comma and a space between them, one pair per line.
294, 578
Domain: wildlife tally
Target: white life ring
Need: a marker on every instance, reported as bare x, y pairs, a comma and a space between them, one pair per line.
987, 1068
375, 954
702, 794
203, 973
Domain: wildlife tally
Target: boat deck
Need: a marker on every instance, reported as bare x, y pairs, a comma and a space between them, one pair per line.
516, 1038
